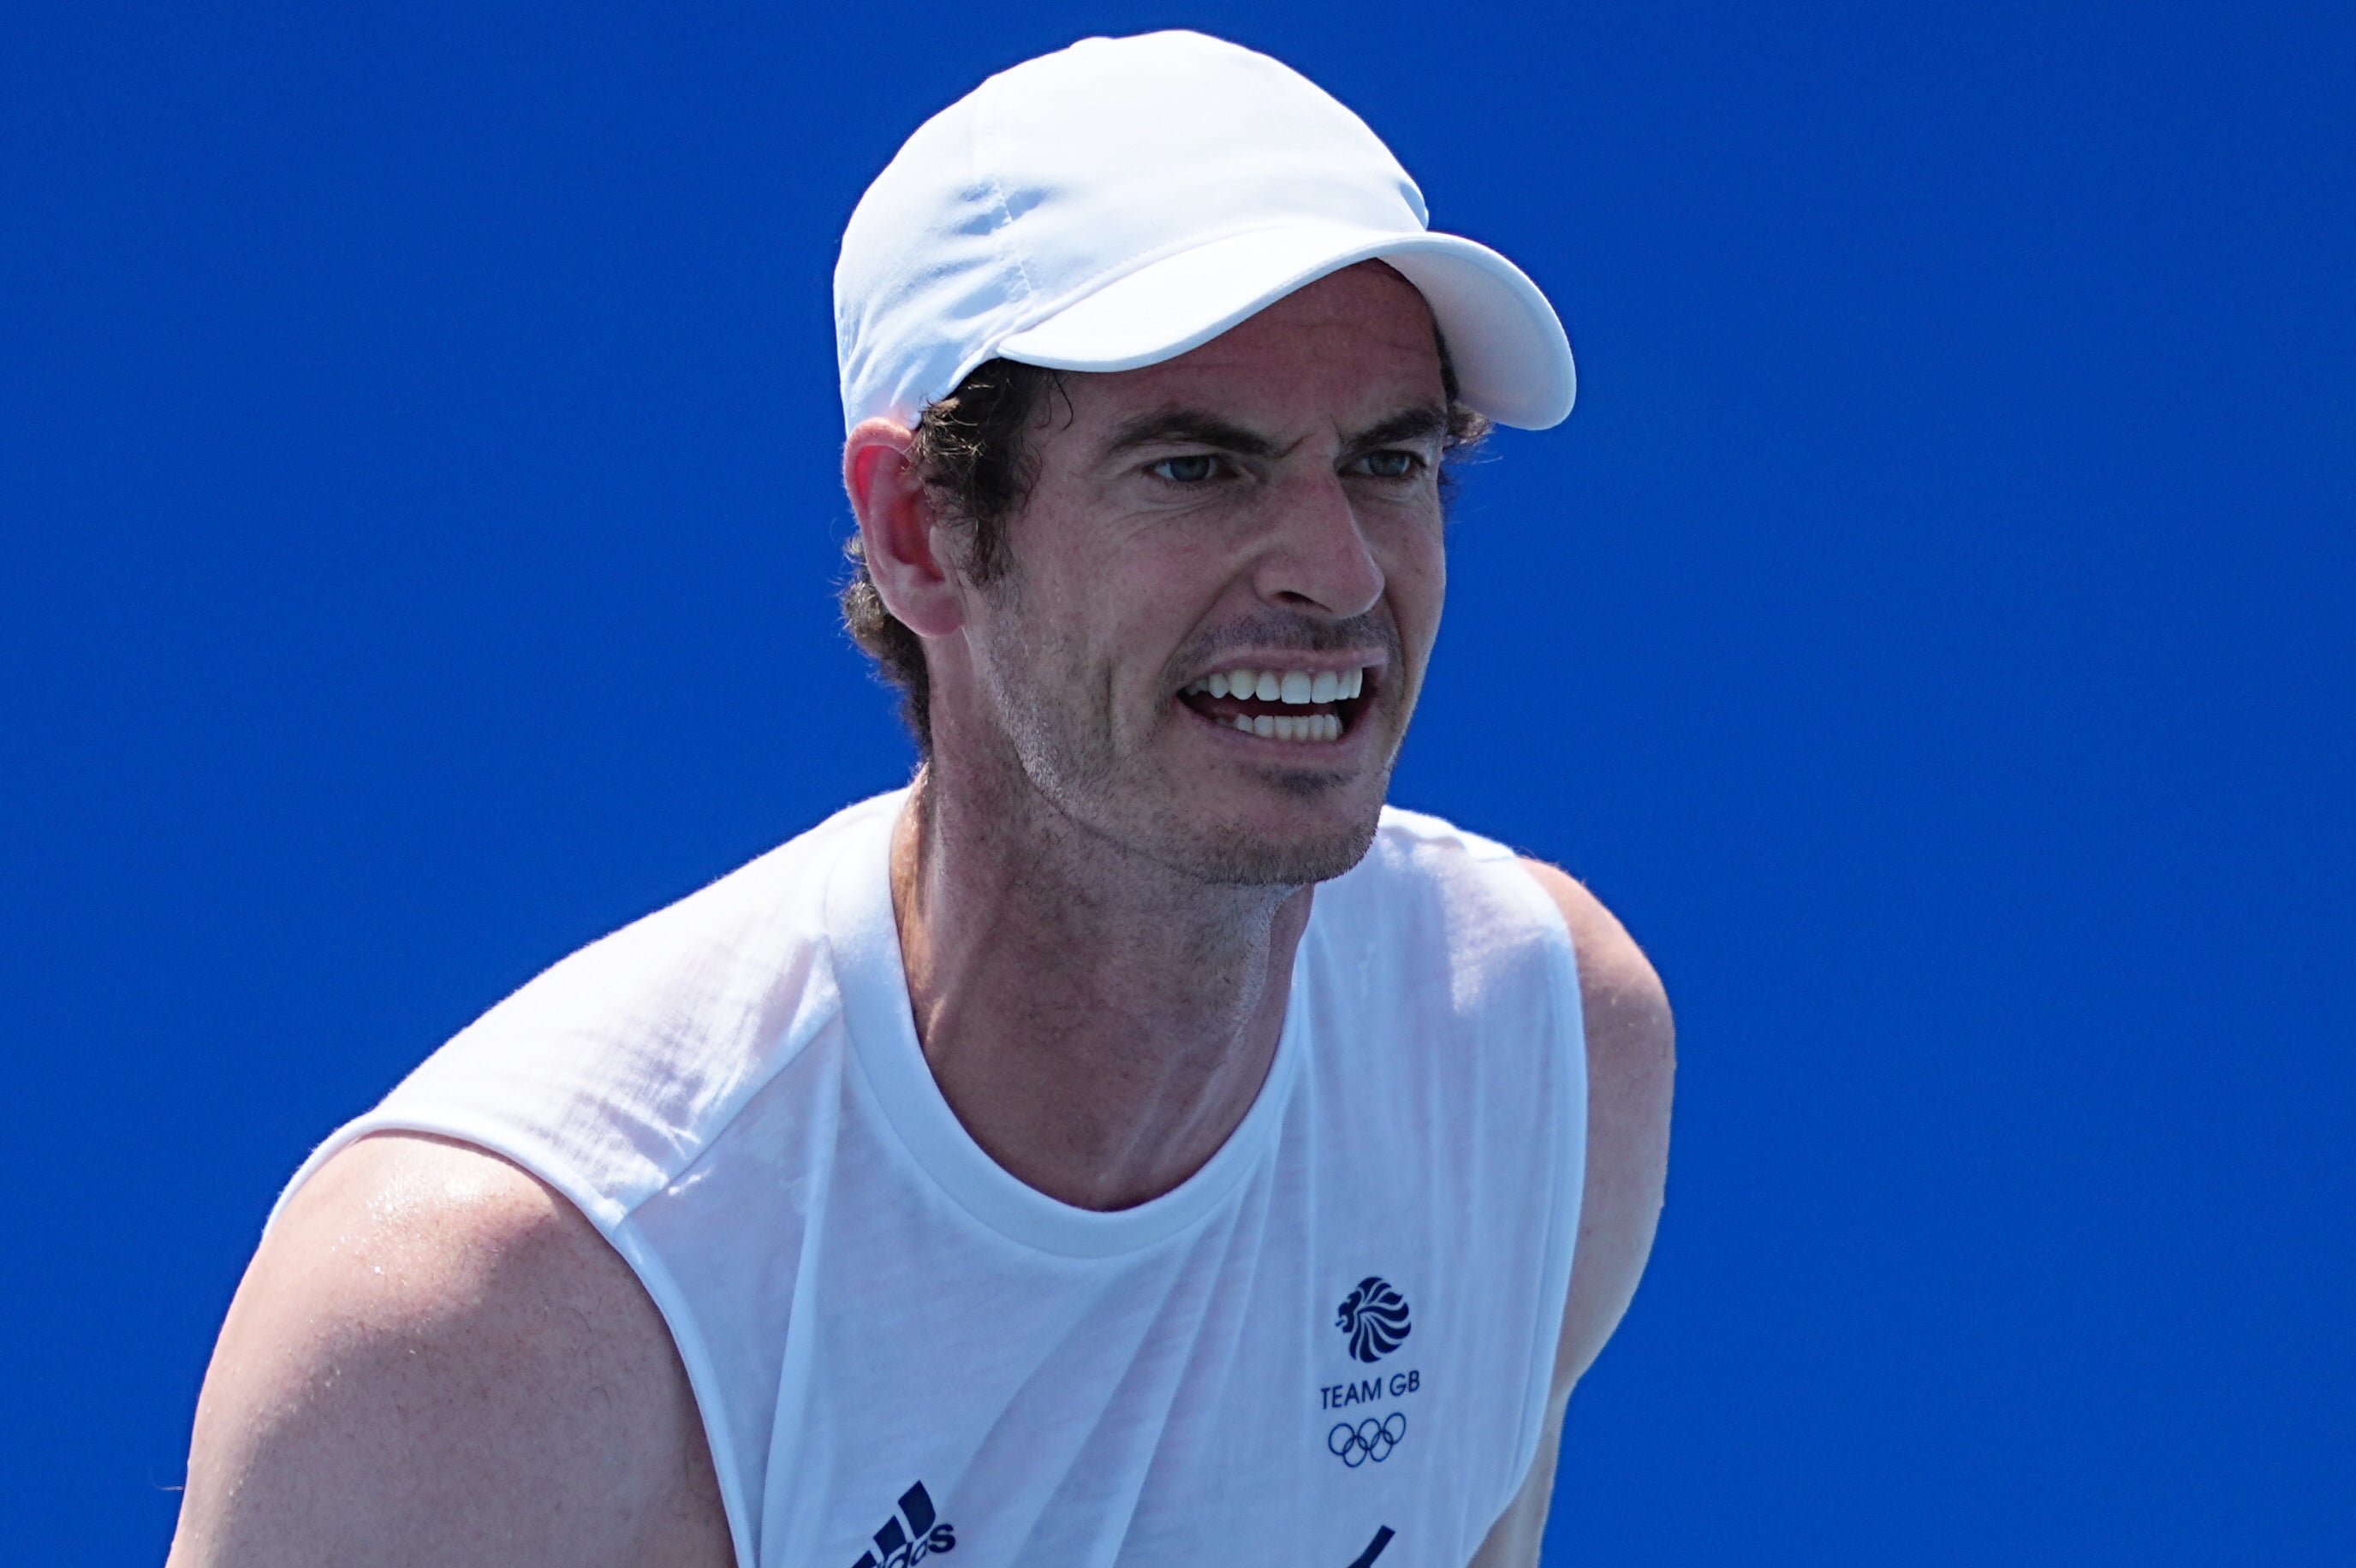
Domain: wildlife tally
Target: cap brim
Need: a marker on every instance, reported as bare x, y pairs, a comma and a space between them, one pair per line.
1512, 358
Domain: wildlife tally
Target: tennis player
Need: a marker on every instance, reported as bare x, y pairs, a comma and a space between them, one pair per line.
1131, 1143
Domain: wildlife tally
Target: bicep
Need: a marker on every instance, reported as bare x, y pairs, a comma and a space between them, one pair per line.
436, 1360
1514, 1539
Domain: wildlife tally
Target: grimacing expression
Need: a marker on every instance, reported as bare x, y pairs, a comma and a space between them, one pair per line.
1226, 582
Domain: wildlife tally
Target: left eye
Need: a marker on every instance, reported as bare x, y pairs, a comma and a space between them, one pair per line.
1191, 470
1390, 465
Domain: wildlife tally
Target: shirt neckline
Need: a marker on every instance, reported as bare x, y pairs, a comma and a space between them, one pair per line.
865, 944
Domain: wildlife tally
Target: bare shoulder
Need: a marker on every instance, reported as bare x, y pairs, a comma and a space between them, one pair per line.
1631, 1066
435, 1359
1612, 970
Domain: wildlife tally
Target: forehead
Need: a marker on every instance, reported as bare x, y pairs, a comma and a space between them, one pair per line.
1352, 347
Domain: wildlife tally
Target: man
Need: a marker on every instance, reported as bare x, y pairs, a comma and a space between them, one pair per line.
1131, 1143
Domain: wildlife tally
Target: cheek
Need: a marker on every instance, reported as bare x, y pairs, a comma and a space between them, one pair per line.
1417, 575
1073, 634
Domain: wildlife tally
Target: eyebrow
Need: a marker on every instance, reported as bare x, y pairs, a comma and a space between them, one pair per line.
1407, 425
1188, 427
1199, 427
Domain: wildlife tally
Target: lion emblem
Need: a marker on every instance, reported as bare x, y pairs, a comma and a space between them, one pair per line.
1374, 1317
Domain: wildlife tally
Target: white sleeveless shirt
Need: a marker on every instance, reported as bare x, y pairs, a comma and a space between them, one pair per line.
1331, 1346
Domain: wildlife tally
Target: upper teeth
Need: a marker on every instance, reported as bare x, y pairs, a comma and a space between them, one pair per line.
1298, 688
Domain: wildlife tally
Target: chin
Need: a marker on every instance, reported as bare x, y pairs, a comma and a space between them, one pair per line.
1286, 865
1283, 848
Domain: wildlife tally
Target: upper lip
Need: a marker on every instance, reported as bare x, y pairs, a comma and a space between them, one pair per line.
1280, 661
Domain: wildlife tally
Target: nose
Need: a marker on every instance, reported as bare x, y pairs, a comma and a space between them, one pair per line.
1316, 559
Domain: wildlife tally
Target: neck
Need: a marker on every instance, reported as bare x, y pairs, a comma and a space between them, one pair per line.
1099, 1023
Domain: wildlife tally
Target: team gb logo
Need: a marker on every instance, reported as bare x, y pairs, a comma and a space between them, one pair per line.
1374, 1317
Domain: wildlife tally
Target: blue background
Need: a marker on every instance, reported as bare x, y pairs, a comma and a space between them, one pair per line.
417, 519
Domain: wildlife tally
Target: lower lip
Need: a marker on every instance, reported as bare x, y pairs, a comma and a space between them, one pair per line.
1353, 726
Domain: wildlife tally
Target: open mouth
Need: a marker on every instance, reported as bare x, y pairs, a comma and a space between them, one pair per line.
1309, 707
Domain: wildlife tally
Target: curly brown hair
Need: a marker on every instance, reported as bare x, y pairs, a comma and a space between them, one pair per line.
972, 450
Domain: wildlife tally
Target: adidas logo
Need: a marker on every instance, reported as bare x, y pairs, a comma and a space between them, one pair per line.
903, 1547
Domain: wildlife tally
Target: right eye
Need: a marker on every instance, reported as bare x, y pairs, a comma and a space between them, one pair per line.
1193, 469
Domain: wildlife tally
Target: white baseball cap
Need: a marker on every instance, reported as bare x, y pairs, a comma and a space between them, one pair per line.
1117, 203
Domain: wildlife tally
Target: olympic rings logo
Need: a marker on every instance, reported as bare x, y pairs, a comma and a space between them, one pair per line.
1370, 1439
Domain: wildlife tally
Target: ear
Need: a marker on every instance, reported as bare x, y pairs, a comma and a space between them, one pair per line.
898, 531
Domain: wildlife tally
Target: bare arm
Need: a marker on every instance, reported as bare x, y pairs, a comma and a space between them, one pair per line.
1631, 1066
436, 1360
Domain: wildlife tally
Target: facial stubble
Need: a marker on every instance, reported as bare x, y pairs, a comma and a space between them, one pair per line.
1062, 732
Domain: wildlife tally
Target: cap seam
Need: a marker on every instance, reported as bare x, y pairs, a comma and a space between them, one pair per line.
987, 168
1006, 247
